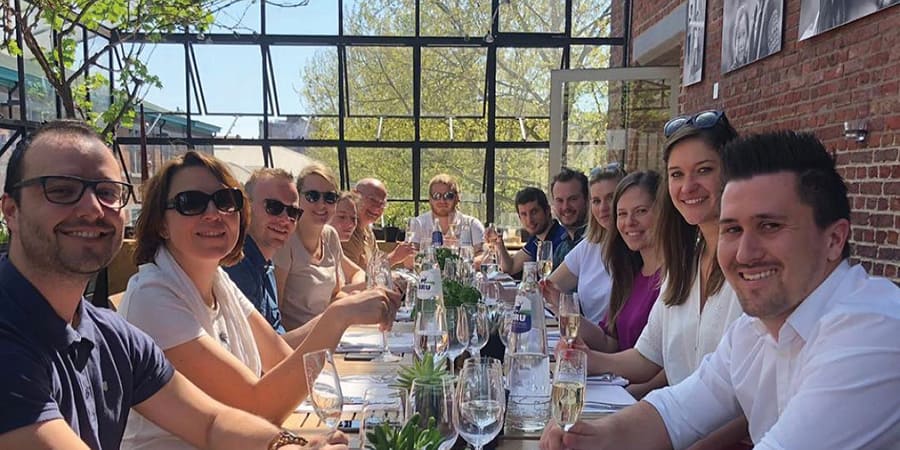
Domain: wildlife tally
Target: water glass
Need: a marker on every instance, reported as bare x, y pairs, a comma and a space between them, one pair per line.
478, 416
435, 400
458, 335
381, 405
379, 275
567, 393
480, 328
324, 386
412, 226
569, 315
431, 335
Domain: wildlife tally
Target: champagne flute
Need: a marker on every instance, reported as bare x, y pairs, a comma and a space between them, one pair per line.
458, 335
431, 333
567, 393
544, 258
381, 405
412, 225
324, 387
569, 316
429, 399
478, 416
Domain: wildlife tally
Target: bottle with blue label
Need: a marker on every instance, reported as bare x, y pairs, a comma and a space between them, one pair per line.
529, 366
430, 292
437, 236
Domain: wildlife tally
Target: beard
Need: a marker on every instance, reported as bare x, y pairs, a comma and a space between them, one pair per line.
46, 252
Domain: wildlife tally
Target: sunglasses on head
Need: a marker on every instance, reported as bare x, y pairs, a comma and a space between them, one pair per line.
701, 120
449, 196
330, 197
194, 203
275, 207
614, 167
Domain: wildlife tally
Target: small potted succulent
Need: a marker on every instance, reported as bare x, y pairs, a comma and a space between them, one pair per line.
412, 436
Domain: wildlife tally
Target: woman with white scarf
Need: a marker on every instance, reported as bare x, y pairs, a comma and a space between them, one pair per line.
194, 219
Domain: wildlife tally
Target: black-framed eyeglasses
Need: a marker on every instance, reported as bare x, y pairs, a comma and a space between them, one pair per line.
194, 203
701, 120
330, 197
275, 207
448, 196
613, 168
68, 190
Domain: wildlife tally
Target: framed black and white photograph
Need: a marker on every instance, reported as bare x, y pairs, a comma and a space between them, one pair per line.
751, 30
819, 16
694, 41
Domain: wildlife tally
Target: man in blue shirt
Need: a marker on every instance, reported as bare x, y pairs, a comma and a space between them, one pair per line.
534, 214
569, 190
274, 210
71, 372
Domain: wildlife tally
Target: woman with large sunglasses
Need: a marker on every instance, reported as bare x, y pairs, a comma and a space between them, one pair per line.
194, 219
308, 268
695, 304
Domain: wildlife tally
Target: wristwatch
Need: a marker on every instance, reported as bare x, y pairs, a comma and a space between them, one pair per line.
286, 437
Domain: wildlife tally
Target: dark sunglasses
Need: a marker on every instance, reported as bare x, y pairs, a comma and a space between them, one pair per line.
330, 197
449, 196
68, 190
194, 203
275, 207
613, 168
701, 120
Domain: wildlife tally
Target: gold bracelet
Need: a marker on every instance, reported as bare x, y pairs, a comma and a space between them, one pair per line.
286, 437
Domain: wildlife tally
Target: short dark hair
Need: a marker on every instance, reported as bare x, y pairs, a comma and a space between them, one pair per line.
532, 194
567, 174
15, 169
819, 185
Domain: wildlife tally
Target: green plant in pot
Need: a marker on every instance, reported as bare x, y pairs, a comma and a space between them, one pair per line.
412, 436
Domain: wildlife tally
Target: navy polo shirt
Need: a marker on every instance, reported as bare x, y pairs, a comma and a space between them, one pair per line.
556, 235
89, 375
256, 278
566, 245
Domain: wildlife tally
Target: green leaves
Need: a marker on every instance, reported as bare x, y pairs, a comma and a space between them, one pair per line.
425, 371
410, 437
458, 294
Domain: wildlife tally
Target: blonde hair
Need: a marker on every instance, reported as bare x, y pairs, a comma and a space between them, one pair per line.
316, 168
264, 174
443, 178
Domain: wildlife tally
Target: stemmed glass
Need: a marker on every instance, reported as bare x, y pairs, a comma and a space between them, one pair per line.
324, 387
381, 405
544, 258
569, 316
481, 328
435, 400
409, 301
567, 393
409, 236
459, 334
379, 275
478, 416
431, 333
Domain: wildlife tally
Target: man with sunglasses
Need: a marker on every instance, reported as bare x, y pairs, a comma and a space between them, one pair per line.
274, 210
361, 246
443, 196
71, 372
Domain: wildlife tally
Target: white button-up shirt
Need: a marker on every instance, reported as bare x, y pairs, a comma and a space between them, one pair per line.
830, 381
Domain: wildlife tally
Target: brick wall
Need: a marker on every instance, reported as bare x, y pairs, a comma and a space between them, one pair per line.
852, 72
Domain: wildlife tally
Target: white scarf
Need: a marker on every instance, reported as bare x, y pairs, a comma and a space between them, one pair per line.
227, 294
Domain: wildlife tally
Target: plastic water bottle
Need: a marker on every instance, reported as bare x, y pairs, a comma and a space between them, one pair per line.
529, 366
437, 236
430, 292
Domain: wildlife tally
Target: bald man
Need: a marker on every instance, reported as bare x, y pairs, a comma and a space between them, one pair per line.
361, 246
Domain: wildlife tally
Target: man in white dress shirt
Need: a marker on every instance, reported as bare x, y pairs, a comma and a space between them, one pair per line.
814, 361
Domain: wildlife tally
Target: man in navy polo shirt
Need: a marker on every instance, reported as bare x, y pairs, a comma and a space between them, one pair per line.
569, 190
70, 372
534, 214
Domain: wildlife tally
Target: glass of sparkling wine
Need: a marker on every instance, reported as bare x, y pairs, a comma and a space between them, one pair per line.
567, 393
324, 387
569, 316
431, 333
544, 258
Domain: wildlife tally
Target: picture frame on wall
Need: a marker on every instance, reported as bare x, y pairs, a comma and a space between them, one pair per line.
819, 16
694, 42
751, 30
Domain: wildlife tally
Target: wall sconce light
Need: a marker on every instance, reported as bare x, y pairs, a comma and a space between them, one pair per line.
856, 130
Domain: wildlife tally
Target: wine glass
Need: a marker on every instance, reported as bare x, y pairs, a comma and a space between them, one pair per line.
379, 275
381, 405
458, 335
324, 386
409, 301
478, 416
430, 399
567, 393
544, 258
431, 333
412, 226
569, 316
480, 326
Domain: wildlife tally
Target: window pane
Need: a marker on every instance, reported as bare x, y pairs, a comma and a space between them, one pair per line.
591, 57
587, 124
470, 18
306, 79
453, 81
464, 129
220, 66
40, 98
516, 169
5, 136
241, 16
316, 17
379, 81
466, 165
234, 126
592, 18
379, 17
523, 80
393, 166
529, 130
535, 16
367, 129
324, 155
166, 62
